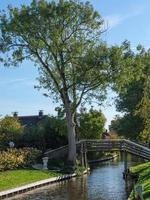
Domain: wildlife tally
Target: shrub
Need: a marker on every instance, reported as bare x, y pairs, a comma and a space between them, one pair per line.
31, 155
18, 158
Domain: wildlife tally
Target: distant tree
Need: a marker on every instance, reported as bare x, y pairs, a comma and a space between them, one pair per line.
91, 124
144, 110
10, 129
134, 100
128, 126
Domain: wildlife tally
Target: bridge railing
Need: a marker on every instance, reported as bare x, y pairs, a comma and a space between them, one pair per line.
56, 152
103, 145
118, 145
61, 151
136, 149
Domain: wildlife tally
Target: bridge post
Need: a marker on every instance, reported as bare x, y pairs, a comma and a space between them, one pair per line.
85, 156
125, 164
82, 154
125, 161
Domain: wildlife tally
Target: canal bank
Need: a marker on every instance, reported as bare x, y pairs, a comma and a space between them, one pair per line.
104, 182
38, 184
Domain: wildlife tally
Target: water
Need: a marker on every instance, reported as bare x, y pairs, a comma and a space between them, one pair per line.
105, 182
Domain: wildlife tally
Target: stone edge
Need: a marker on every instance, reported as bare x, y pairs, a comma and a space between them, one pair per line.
19, 190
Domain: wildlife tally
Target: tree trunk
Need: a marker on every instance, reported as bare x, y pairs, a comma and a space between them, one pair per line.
71, 135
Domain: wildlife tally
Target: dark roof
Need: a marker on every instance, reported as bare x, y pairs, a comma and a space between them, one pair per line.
30, 120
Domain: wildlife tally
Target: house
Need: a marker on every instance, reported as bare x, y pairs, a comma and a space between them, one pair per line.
30, 120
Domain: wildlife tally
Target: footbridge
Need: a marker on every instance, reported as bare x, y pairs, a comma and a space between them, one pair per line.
85, 146
103, 145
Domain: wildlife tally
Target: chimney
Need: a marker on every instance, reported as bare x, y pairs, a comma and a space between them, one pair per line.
40, 113
15, 114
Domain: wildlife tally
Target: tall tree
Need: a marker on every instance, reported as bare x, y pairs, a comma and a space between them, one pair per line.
134, 99
144, 108
130, 125
63, 39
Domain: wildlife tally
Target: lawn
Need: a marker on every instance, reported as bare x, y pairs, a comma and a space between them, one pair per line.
143, 171
15, 178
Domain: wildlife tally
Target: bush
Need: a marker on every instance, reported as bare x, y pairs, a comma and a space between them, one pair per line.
18, 158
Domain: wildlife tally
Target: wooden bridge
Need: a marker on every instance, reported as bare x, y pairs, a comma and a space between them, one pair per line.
85, 146
104, 145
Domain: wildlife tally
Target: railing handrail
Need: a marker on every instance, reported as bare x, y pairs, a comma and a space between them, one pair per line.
109, 144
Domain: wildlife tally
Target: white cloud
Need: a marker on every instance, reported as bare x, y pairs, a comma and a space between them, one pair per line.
112, 21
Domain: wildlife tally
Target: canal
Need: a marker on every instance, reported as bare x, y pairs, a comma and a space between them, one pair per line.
104, 182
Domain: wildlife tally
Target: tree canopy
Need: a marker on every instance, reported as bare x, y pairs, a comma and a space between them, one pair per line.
91, 124
64, 40
10, 130
134, 101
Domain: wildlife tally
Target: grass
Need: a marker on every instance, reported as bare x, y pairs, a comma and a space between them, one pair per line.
143, 171
15, 178
139, 168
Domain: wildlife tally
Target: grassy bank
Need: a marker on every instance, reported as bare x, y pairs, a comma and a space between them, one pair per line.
15, 178
143, 171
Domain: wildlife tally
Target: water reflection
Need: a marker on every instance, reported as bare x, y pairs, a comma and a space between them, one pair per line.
104, 183
74, 189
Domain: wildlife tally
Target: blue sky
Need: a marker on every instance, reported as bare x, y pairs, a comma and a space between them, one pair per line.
123, 19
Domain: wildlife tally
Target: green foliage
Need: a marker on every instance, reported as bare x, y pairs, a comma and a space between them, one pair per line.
128, 126
79, 170
143, 171
75, 66
48, 133
139, 168
66, 45
134, 99
10, 130
18, 158
144, 110
91, 124
32, 137
128, 100
55, 131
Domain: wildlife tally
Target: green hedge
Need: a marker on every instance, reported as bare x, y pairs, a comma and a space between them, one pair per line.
18, 158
